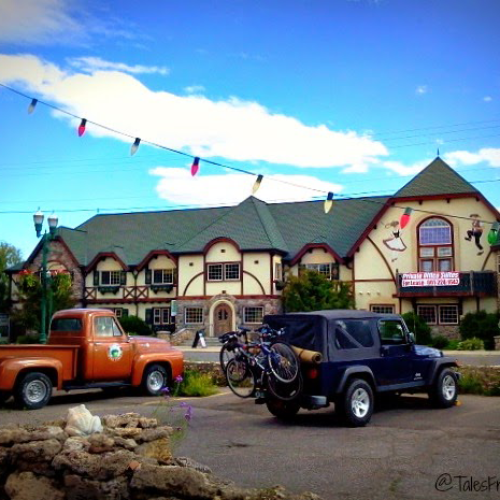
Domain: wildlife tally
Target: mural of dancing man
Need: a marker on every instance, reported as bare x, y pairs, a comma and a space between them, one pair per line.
476, 231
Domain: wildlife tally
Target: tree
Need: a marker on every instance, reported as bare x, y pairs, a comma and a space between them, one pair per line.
419, 327
312, 291
9, 256
134, 325
60, 296
483, 325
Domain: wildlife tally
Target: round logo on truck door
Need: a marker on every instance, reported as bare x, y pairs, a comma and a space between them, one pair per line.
115, 352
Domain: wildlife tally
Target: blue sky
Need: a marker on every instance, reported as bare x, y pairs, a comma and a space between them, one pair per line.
348, 96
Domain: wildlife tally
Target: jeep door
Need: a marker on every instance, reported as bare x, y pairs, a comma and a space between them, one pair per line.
394, 366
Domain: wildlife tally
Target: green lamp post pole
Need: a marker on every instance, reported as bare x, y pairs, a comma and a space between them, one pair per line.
46, 239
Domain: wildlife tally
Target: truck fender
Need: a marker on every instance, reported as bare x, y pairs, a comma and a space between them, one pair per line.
10, 368
438, 365
355, 370
174, 365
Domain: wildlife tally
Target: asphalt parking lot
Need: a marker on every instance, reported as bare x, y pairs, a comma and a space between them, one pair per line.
407, 451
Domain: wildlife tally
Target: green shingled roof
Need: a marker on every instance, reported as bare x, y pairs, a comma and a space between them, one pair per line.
437, 178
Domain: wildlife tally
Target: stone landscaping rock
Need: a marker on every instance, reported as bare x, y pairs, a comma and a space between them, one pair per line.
130, 460
28, 486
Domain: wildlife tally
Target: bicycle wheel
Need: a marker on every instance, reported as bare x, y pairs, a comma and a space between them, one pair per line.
240, 378
227, 353
283, 362
284, 391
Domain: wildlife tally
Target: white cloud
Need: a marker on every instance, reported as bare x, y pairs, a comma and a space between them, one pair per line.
401, 169
488, 155
487, 98
59, 22
422, 89
178, 186
93, 64
36, 21
233, 129
194, 89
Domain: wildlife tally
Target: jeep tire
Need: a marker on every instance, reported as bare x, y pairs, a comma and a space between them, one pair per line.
444, 392
33, 391
283, 410
356, 403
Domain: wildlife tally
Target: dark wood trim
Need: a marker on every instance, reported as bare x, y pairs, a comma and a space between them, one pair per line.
242, 272
144, 262
104, 255
129, 301
271, 272
433, 197
368, 229
257, 280
239, 297
384, 259
190, 281
311, 246
486, 259
375, 280
447, 294
213, 242
204, 262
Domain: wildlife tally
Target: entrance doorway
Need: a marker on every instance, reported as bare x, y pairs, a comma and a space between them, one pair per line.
223, 319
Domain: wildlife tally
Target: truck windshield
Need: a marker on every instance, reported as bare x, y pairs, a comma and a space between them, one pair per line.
66, 325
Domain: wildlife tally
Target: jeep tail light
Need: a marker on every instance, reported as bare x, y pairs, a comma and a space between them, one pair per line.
312, 373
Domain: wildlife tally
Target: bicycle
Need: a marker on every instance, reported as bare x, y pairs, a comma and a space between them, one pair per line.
275, 367
231, 345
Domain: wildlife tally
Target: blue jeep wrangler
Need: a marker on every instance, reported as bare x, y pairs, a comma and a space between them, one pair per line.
364, 355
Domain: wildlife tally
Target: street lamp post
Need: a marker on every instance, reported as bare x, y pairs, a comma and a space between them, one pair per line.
46, 238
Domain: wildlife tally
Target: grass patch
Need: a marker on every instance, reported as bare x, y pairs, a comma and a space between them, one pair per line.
196, 384
482, 380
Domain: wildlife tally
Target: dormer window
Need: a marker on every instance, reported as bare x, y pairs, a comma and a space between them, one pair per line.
163, 276
110, 278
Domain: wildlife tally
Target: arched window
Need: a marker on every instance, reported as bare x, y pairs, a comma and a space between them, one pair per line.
435, 245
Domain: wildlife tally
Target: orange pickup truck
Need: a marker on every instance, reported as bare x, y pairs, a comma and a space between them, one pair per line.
86, 348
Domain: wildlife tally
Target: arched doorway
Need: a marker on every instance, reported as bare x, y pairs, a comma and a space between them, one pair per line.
223, 319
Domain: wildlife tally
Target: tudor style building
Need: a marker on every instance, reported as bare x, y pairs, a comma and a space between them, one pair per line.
227, 266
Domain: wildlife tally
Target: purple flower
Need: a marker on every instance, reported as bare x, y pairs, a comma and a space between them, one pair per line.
189, 413
183, 404
166, 390
179, 379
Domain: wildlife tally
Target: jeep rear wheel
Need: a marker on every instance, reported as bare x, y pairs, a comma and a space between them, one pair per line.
284, 410
444, 392
33, 391
357, 403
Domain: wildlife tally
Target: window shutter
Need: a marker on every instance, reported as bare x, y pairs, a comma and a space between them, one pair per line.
96, 278
123, 278
149, 316
148, 276
124, 312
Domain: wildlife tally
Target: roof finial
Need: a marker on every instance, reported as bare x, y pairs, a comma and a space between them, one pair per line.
438, 152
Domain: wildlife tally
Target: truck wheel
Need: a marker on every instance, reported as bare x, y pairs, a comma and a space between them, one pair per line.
357, 403
284, 410
444, 392
33, 391
155, 379
4, 396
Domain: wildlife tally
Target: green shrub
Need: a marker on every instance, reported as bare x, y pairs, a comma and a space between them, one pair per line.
197, 384
4, 341
482, 325
27, 339
453, 345
482, 380
473, 344
135, 325
440, 342
419, 327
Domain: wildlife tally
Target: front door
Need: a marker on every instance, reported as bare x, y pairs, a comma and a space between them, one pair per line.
223, 319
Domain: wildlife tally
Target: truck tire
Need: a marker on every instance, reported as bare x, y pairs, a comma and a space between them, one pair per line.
356, 404
444, 391
283, 410
155, 379
33, 391
4, 396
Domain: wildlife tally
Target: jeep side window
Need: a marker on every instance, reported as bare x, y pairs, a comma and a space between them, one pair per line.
352, 334
391, 332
